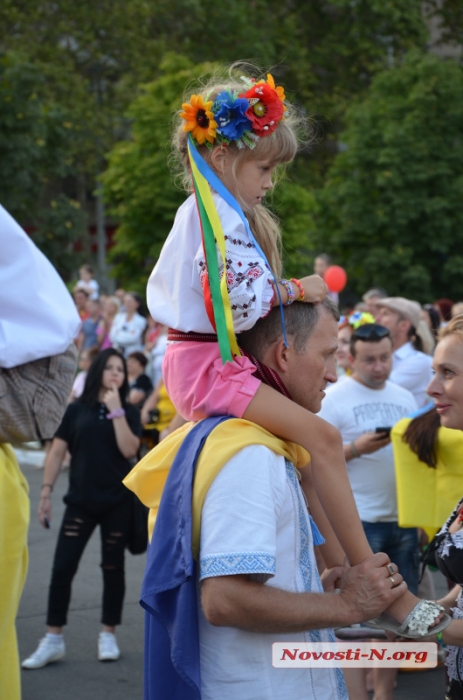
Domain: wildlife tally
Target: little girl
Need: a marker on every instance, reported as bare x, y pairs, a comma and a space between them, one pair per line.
230, 139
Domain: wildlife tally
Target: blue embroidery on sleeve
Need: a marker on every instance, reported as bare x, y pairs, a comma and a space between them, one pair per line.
237, 563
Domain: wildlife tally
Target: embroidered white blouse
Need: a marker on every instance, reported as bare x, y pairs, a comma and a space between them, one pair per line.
175, 295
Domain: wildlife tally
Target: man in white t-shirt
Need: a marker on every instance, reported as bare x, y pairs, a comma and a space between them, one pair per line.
257, 567
411, 368
360, 407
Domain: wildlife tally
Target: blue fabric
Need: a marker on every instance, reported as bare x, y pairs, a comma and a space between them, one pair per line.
317, 536
172, 664
400, 544
422, 411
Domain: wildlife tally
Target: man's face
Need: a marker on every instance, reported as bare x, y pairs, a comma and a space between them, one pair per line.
398, 327
309, 371
372, 363
320, 266
373, 308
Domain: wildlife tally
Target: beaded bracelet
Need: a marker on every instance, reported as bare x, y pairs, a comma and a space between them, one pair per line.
300, 287
117, 413
289, 291
440, 641
50, 486
354, 450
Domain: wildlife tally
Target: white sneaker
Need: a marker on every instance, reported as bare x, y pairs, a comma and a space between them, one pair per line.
107, 647
47, 652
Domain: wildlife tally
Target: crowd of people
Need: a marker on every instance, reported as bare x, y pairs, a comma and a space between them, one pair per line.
262, 534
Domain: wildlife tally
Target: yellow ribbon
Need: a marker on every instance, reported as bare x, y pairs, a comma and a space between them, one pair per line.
205, 193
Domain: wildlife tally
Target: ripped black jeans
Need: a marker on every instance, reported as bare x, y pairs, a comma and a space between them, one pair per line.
75, 532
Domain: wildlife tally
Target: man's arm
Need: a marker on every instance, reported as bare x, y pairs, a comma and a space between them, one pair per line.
235, 601
365, 444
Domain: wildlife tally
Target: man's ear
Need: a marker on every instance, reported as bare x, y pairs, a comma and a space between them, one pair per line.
405, 324
281, 355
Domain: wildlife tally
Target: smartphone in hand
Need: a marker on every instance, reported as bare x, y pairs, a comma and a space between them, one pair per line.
384, 430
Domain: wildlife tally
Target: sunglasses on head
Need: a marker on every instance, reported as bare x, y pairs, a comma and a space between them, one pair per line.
370, 331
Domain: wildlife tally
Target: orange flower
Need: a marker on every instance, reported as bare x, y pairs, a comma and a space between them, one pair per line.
199, 119
280, 91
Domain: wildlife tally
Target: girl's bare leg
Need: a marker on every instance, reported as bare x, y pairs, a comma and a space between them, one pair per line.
286, 419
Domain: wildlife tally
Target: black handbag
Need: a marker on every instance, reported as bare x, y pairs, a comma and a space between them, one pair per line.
138, 535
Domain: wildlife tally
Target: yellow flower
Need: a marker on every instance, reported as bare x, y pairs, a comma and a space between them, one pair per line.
199, 119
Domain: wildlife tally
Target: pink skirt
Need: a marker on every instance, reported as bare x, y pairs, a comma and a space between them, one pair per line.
199, 385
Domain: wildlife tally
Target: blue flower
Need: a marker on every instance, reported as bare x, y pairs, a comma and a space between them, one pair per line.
229, 113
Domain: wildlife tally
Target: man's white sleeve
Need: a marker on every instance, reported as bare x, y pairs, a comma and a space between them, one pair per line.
239, 518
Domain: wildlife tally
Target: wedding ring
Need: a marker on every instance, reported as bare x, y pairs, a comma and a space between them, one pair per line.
391, 579
390, 568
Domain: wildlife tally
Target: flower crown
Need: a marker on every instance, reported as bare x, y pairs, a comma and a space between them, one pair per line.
242, 117
356, 319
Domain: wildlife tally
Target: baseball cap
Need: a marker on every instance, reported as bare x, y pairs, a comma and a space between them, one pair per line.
406, 308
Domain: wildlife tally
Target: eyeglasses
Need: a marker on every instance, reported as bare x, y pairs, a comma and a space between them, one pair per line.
371, 331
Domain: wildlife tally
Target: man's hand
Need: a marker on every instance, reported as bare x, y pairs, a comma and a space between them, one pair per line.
367, 588
371, 442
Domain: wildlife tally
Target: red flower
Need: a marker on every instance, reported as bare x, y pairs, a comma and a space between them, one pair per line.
265, 110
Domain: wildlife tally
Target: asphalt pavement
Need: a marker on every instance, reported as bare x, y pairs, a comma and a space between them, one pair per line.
80, 676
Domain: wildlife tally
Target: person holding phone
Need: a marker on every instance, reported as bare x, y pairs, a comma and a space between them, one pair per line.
364, 407
101, 430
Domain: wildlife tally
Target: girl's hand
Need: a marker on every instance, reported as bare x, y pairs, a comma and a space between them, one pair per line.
315, 289
112, 399
44, 511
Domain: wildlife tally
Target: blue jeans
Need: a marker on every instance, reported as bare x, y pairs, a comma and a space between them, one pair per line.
400, 544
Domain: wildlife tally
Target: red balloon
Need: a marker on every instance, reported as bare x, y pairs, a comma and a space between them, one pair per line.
335, 278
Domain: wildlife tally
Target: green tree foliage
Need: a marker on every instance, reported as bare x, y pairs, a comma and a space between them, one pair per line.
392, 204
138, 184
36, 144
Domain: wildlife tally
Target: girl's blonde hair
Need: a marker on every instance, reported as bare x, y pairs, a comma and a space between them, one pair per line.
279, 148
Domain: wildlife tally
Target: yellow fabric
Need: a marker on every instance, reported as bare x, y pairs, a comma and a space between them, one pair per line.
425, 496
14, 522
166, 410
148, 477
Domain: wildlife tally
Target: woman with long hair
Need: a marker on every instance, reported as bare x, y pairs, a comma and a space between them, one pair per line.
101, 430
446, 388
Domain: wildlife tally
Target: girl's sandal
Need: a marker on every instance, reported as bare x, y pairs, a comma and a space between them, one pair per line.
417, 624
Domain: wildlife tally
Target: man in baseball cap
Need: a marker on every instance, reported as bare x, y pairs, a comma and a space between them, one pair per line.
411, 367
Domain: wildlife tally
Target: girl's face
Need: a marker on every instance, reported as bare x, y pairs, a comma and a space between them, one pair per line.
253, 177
113, 373
343, 352
446, 388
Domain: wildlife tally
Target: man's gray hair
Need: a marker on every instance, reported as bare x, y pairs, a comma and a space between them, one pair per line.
300, 321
